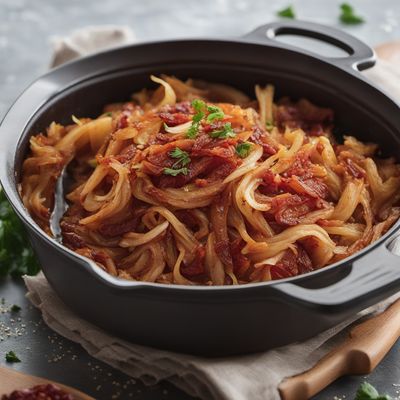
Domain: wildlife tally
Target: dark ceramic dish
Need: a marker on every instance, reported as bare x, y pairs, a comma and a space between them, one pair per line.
213, 321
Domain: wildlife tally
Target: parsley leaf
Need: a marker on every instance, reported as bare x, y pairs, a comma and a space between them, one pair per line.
287, 12
215, 113
12, 357
199, 106
223, 133
179, 167
243, 149
175, 172
16, 255
15, 308
367, 392
192, 131
348, 17
181, 155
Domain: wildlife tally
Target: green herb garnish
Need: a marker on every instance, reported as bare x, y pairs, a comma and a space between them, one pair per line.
215, 113
243, 149
12, 357
348, 17
367, 392
198, 105
223, 133
287, 12
175, 172
182, 157
269, 125
16, 255
201, 107
179, 167
15, 308
192, 131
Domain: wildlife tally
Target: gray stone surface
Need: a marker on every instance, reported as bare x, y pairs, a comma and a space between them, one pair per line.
26, 28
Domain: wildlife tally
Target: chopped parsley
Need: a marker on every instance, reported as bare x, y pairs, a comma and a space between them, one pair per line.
287, 12
16, 255
367, 392
201, 108
224, 133
12, 357
15, 308
243, 149
180, 166
198, 105
175, 172
182, 157
347, 15
215, 113
194, 128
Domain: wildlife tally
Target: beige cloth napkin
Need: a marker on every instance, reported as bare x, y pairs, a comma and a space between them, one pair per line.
255, 376
89, 40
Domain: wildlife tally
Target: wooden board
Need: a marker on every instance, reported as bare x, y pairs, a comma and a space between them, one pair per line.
13, 380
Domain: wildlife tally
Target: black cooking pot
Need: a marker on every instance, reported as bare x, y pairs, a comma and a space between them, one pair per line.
213, 321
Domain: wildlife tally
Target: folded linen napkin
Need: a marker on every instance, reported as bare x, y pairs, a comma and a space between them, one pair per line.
255, 376
89, 40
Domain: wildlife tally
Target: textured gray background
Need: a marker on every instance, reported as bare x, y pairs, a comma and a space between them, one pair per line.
26, 29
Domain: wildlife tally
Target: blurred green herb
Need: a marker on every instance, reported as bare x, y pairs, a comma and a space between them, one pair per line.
348, 17
15, 308
176, 172
287, 12
215, 113
16, 255
367, 392
12, 357
269, 125
225, 132
198, 105
243, 149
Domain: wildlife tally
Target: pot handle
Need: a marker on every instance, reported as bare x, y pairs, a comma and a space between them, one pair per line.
360, 55
372, 277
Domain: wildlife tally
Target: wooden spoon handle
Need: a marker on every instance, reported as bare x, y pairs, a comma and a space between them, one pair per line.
366, 345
